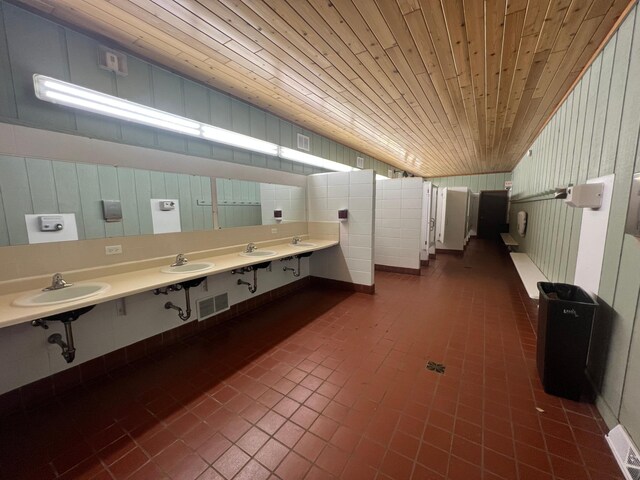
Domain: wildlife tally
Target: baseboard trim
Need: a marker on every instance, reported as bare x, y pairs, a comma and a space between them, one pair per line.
447, 251
342, 285
432, 255
405, 270
43, 390
424, 263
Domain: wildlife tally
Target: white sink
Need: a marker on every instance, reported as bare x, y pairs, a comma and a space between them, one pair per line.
189, 268
259, 253
304, 244
77, 291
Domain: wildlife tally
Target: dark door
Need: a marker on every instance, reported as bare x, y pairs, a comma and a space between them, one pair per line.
492, 213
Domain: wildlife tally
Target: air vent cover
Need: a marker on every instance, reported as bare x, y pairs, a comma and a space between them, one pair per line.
222, 302
625, 452
360, 162
112, 60
210, 306
304, 143
206, 308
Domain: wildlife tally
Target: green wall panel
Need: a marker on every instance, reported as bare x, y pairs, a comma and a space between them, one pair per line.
16, 198
136, 87
36, 46
7, 97
595, 132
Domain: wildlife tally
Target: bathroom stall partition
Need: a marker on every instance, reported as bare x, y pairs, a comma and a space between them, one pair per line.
453, 220
399, 218
351, 264
428, 222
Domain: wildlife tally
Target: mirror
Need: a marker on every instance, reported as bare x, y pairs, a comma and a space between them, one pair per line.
32, 187
243, 203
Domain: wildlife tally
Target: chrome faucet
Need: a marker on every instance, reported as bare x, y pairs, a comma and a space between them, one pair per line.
180, 260
296, 240
250, 248
57, 282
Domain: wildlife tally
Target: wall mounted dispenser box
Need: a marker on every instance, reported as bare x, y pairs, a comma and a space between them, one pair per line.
343, 215
587, 195
112, 210
50, 223
167, 205
632, 226
277, 214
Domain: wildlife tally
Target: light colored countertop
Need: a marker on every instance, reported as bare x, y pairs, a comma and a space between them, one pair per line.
146, 279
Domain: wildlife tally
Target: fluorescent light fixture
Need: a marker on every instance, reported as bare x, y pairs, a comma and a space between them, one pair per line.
70, 95
63, 93
220, 135
314, 161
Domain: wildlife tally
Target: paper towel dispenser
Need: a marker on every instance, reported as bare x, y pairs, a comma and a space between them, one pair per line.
587, 195
632, 226
522, 223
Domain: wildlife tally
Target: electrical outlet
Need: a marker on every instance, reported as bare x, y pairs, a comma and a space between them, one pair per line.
121, 307
274, 230
113, 250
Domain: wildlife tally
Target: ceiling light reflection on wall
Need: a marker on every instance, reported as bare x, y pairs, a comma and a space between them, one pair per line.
70, 95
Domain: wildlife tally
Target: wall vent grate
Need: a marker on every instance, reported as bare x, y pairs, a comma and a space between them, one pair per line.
206, 308
360, 162
210, 306
222, 302
304, 142
625, 452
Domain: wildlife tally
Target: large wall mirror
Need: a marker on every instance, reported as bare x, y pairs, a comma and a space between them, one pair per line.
243, 203
31, 188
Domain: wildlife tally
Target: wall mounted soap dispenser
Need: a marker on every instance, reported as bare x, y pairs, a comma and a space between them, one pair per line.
343, 215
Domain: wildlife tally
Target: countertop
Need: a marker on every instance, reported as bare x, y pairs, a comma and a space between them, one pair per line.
144, 280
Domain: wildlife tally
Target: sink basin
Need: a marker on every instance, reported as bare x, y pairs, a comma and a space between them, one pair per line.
258, 253
77, 291
189, 268
304, 244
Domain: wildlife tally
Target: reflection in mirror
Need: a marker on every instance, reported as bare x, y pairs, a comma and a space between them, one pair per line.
242, 203
72, 194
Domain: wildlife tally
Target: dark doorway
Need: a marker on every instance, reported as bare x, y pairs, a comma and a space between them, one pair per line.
492, 213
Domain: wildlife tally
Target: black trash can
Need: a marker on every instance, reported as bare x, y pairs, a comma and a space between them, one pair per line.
565, 317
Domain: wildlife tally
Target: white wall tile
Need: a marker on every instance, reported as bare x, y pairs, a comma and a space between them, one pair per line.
338, 178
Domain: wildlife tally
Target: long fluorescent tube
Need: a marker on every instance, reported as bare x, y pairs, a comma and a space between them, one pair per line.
55, 91
64, 93
314, 161
220, 135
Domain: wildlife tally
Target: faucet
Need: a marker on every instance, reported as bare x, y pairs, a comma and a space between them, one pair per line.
296, 240
57, 282
250, 248
180, 260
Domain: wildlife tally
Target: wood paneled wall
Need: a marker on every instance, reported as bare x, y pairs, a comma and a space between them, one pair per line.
30, 44
594, 133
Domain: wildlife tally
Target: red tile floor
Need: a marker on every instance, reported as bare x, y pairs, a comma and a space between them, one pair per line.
328, 384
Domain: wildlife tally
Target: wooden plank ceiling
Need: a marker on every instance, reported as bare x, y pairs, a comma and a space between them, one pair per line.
435, 87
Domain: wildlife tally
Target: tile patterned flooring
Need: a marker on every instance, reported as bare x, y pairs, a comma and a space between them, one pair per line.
331, 384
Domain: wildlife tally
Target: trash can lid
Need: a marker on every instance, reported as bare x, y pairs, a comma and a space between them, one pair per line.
564, 292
